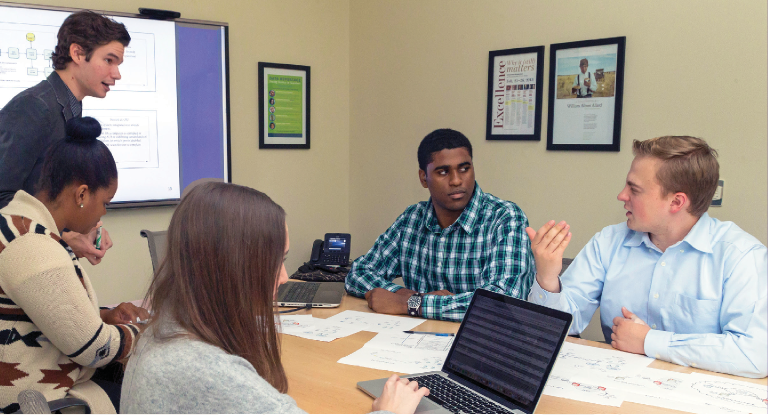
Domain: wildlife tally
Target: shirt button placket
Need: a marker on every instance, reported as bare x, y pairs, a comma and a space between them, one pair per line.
441, 250
654, 303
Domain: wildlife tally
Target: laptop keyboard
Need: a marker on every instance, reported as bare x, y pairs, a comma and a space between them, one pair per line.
455, 398
302, 292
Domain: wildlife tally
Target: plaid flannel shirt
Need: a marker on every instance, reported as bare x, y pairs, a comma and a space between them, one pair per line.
487, 247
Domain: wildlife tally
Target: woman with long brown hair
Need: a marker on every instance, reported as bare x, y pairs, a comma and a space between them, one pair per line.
211, 345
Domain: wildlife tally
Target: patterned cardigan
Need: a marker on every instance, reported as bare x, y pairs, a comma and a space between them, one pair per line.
52, 337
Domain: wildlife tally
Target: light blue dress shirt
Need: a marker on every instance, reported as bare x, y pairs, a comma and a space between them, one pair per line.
704, 297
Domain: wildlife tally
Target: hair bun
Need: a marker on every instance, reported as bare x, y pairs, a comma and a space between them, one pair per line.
83, 129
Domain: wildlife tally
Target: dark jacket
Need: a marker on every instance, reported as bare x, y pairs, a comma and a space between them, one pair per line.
29, 123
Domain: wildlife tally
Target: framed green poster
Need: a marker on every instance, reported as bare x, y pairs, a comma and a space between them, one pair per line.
283, 106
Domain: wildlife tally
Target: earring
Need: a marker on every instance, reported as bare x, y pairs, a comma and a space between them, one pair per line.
81, 205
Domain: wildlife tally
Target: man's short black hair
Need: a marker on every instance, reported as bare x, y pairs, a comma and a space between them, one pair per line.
439, 140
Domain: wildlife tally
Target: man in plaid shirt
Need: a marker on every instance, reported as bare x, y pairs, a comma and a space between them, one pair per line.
445, 248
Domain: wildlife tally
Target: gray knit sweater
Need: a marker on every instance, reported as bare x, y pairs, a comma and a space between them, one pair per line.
189, 376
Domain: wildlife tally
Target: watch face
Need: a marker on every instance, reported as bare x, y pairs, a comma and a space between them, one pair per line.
414, 301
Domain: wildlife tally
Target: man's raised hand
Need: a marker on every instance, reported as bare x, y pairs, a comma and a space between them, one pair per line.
548, 245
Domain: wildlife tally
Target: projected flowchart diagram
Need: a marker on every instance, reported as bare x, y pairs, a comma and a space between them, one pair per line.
25, 57
26, 49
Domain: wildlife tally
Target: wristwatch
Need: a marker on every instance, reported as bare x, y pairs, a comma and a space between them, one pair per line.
414, 304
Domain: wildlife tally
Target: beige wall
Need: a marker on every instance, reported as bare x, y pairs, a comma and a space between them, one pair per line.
385, 73
692, 67
312, 184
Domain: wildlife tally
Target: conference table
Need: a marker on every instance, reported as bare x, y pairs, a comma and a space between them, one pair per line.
321, 385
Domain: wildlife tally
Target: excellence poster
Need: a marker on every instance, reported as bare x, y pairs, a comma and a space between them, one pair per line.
514, 94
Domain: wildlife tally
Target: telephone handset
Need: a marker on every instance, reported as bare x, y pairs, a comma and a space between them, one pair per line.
334, 250
317, 249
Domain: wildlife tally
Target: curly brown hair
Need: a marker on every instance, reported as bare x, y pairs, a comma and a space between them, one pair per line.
89, 30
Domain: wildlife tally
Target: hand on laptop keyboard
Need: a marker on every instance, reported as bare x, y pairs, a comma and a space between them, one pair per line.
455, 398
400, 396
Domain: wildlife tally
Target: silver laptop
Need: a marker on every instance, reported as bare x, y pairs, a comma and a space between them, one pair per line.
317, 294
499, 362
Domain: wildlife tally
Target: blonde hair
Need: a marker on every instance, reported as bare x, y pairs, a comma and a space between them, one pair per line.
689, 165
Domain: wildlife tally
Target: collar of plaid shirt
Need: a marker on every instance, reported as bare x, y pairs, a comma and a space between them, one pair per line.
467, 219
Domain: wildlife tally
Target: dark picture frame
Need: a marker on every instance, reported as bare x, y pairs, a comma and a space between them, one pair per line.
284, 106
515, 81
585, 99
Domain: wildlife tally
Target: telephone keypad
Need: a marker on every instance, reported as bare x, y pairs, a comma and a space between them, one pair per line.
334, 259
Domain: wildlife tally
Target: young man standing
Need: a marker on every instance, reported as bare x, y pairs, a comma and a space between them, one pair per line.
672, 283
90, 48
459, 240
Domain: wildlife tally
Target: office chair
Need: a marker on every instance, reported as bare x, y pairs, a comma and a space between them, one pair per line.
157, 245
157, 240
33, 402
566, 263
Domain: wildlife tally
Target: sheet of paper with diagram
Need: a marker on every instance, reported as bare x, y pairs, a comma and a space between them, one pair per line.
396, 340
694, 392
375, 322
312, 328
343, 324
400, 352
724, 394
566, 386
600, 365
661, 388
587, 373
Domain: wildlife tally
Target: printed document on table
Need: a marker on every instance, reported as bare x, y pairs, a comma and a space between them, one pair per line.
402, 352
661, 388
312, 328
398, 361
398, 340
374, 322
598, 365
725, 394
296, 321
565, 386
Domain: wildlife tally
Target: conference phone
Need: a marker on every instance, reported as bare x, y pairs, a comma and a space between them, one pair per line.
334, 250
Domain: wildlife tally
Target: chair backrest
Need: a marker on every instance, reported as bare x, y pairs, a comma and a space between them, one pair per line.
33, 402
566, 263
157, 245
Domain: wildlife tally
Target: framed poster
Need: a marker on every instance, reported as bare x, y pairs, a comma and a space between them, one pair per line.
514, 94
586, 88
283, 106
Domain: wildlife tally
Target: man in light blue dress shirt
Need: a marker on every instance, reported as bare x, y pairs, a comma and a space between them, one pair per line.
671, 282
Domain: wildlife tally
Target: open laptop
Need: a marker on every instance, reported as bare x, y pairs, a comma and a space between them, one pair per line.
499, 362
318, 294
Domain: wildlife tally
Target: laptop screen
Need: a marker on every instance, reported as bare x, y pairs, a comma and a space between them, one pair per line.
508, 346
